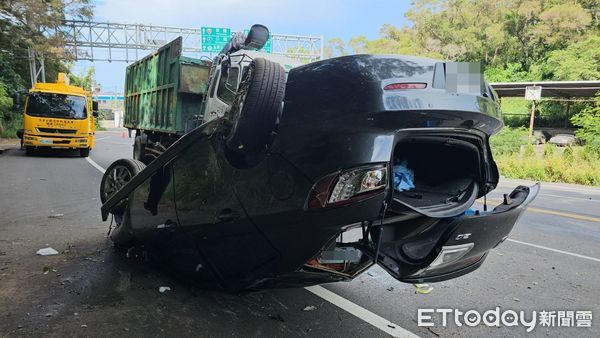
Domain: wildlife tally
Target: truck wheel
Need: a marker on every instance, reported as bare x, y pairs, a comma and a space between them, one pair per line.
84, 152
256, 107
115, 177
29, 151
139, 149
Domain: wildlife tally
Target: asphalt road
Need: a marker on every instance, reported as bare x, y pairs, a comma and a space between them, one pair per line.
551, 262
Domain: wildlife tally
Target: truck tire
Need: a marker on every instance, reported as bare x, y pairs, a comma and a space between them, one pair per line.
29, 150
139, 149
84, 152
256, 107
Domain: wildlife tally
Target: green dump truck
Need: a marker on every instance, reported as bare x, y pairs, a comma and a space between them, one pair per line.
167, 94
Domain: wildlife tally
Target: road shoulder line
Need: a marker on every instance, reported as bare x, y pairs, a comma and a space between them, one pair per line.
554, 250
377, 321
95, 165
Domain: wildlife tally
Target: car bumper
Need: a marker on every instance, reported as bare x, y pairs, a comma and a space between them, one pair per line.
55, 142
455, 246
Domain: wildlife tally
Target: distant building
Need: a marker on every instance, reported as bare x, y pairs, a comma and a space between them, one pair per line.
108, 103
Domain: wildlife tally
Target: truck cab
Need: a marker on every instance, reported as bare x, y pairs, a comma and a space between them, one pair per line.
226, 75
58, 115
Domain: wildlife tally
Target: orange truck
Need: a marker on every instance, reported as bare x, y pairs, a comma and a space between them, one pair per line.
58, 115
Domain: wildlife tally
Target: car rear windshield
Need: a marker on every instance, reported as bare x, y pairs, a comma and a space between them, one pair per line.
56, 105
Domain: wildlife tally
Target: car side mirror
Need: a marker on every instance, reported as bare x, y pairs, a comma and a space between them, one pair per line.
95, 113
16, 102
257, 37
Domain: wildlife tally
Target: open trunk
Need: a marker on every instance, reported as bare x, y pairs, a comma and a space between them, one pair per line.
447, 174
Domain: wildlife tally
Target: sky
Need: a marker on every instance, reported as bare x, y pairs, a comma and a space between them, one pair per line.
328, 18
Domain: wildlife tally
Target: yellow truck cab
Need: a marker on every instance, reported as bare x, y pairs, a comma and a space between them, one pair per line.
58, 115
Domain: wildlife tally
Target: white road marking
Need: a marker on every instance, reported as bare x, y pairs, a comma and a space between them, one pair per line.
101, 138
554, 250
95, 165
571, 197
379, 322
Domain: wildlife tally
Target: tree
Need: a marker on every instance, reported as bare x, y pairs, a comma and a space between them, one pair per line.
35, 22
84, 81
336, 47
579, 61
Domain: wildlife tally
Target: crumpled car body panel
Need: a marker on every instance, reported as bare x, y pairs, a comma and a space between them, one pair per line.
246, 223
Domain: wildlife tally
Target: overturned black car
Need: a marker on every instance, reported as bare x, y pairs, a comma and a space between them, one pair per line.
364, 160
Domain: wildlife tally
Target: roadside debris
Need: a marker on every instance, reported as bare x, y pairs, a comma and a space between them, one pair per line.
164, 289
56, 216
47, 252
47, 269
435, 333
516, 299
310, 308
423, 288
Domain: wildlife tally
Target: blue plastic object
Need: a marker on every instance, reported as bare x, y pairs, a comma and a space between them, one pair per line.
403, 177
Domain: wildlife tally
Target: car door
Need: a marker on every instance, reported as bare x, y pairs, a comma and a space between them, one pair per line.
222, 92
212, 217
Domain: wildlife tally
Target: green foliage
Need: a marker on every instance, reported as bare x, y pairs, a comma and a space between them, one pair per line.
84, 81
9, 121
508, 141
579, 61
511, 72
568, 154
32, 23
528, 152
574, 165
549, 149
588, 121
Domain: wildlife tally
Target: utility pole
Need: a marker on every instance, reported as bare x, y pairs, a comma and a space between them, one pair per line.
34, 71
533, 94
531, 118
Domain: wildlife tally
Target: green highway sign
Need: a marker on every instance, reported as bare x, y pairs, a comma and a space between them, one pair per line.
213, 39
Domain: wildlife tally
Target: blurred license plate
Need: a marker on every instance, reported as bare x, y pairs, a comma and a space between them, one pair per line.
42, 141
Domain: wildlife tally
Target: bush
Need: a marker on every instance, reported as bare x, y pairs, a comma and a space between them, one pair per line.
588, 122
548, 150
574, 165
508, 141
9, 121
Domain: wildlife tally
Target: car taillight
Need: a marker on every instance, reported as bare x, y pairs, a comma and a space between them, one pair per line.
348, 186
418, 85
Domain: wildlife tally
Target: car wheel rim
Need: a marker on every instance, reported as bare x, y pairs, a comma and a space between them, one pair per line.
116, 179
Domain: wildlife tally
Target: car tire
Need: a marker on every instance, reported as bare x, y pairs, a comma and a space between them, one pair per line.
84, 152
256, 107
116, 176
121, 235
